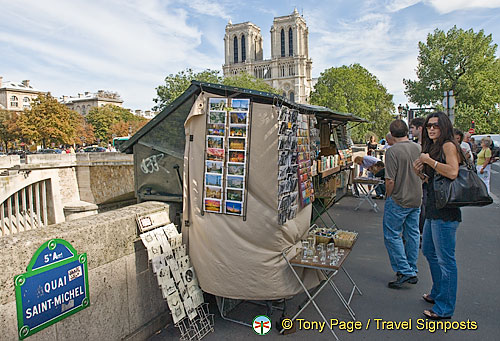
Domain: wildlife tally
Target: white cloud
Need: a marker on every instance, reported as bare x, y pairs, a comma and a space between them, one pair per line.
397, 5
447, 6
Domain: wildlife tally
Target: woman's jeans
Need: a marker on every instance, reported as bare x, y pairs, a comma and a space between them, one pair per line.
438, 246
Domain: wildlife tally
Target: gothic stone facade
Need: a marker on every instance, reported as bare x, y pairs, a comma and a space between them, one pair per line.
289, 68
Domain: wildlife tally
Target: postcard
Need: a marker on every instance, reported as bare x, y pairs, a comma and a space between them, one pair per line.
238, 117
238, 131
233, 207
215, 142
189, 276
237, 143
240, 104
217, 117
213, 180
237, 156
234, 181
176, 307
197, 297
217, 103
163, 275
213, 192
214, 154
168, 287
216, 129
184, 262
234, 194
235, 168
214, 167
282, 172
190, 308
213, 205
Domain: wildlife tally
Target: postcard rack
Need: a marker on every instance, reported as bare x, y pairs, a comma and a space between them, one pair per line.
197, 328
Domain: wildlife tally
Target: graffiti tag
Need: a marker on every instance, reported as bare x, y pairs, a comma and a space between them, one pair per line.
151, 164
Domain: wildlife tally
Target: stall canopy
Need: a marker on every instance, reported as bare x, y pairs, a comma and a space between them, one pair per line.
235, 256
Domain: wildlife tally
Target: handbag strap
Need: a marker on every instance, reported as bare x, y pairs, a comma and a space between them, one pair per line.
463, 158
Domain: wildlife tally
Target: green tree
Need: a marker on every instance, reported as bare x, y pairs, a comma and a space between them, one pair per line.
485, 122
48, 121
462, 61
103, 118
176, 84
247, 81
355, 90
6, 134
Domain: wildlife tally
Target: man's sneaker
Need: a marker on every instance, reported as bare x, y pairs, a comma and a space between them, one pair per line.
398, 283
412, 280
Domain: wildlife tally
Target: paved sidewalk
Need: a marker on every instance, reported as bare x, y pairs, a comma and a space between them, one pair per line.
478, 300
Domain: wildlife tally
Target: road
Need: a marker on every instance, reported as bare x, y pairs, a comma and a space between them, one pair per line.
478, 299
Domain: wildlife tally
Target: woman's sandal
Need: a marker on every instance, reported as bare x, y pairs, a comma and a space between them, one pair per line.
427, 298
433, 316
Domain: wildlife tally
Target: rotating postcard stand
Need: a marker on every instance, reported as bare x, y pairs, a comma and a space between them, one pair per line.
176, 276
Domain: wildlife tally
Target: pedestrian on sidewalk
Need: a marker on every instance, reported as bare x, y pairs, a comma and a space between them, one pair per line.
483, 165
402, 206
440, 155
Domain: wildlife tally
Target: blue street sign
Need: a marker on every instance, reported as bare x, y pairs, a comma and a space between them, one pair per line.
54, 287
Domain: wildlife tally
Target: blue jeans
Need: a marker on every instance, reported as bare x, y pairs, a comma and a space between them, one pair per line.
438, 246
403, 220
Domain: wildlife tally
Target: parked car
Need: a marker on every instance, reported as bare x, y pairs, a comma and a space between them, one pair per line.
94, 149
49, 151
495, 148
22, 153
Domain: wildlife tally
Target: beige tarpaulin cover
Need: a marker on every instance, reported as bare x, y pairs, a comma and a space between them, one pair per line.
235, 258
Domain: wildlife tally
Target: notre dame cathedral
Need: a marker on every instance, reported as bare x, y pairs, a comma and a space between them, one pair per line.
289, 68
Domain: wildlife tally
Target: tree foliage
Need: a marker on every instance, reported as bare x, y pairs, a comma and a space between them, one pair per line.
462, 61
355, 90
104, 118
176, 84
48, 121
485, 122
247, 81
8, 127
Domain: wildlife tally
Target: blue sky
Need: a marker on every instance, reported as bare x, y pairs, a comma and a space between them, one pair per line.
129, 46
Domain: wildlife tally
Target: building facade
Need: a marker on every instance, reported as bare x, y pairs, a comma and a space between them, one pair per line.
86, 101
16, 96
288, 70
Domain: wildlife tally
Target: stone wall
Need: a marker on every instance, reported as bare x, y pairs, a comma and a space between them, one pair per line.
125, 301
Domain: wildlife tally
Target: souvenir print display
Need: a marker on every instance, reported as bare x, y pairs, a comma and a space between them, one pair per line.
175, 275
237, 156
226, 155
215, 155
287, 164
306, 191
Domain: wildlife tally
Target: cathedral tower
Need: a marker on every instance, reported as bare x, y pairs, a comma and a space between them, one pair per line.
288, 70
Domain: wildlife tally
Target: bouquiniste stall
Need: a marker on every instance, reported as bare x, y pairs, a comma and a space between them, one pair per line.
247, 187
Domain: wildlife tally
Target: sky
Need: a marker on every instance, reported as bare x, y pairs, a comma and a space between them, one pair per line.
130, 46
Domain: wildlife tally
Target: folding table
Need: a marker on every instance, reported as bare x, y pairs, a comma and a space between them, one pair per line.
329, 271
366, 194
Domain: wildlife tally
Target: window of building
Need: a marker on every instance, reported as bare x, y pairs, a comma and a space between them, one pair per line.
84, 112
282, 42
243, 49
290, 42
284, 94
14, 101
235, 44
292, 96
26, 102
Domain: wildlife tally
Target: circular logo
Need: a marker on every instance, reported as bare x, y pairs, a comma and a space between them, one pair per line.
261, 325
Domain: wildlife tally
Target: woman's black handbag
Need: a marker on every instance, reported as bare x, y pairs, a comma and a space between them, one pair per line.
466, 190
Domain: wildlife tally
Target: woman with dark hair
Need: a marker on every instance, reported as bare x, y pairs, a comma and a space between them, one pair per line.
372, 145
441, 155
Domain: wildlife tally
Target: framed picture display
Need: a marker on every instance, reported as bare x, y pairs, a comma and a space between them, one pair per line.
226, 155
